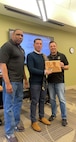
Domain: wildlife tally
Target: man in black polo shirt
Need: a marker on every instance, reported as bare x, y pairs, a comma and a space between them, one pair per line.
56, 83
12, 66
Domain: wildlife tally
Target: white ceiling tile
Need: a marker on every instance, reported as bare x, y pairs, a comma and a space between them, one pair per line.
60, 10
73, 5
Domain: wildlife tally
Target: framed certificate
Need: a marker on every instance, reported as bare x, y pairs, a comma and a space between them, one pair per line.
53, 65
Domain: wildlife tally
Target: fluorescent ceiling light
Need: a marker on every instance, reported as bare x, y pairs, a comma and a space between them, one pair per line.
42, 9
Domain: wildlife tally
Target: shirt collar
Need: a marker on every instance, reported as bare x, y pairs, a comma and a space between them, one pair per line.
37, 52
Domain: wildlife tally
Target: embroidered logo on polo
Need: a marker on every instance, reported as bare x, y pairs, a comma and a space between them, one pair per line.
58, 57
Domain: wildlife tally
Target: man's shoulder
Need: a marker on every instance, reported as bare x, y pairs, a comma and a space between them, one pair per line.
6, 44
49, 56
45, 57
60, 53
30, 54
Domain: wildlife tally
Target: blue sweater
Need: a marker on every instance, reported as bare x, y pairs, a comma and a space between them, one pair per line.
36, 65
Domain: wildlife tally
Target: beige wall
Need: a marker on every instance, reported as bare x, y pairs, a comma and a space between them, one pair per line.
65, 40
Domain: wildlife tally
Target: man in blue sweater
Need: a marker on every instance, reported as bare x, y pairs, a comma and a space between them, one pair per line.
36, 67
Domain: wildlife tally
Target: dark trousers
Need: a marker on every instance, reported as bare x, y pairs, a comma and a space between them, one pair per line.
37, 97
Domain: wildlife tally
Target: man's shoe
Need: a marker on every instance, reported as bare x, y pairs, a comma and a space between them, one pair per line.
11, 138
19, 128
45, 121
51, 118
64, 122
36, 127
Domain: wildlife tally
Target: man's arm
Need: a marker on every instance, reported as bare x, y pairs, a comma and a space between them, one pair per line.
6, 77
64, 67
25, 80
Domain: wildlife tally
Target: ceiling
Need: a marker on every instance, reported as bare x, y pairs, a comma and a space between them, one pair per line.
61, 13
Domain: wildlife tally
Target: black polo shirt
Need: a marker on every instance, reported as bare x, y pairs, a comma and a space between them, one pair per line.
59, 76
13, 56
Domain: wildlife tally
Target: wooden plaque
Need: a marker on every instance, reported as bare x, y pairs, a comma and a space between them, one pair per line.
54, 65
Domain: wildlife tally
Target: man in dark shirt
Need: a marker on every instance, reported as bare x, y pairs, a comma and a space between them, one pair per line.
56, 83
36, 66
12, 67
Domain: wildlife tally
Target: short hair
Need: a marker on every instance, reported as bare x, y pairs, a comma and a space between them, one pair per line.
37, 39
16, 30
52, 42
